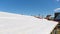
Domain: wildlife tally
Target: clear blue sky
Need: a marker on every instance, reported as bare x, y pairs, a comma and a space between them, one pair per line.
29, 7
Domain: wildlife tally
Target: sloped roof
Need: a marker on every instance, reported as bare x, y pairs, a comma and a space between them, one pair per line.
23, 24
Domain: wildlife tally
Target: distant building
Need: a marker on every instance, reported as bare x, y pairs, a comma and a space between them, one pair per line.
48, 17
57, 16
38, 16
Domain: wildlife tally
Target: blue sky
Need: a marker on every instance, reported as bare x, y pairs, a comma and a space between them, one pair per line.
30, 7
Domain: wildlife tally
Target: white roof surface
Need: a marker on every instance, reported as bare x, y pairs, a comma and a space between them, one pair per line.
23, 24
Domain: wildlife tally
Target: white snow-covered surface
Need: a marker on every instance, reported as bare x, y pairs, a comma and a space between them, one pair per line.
23, 24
